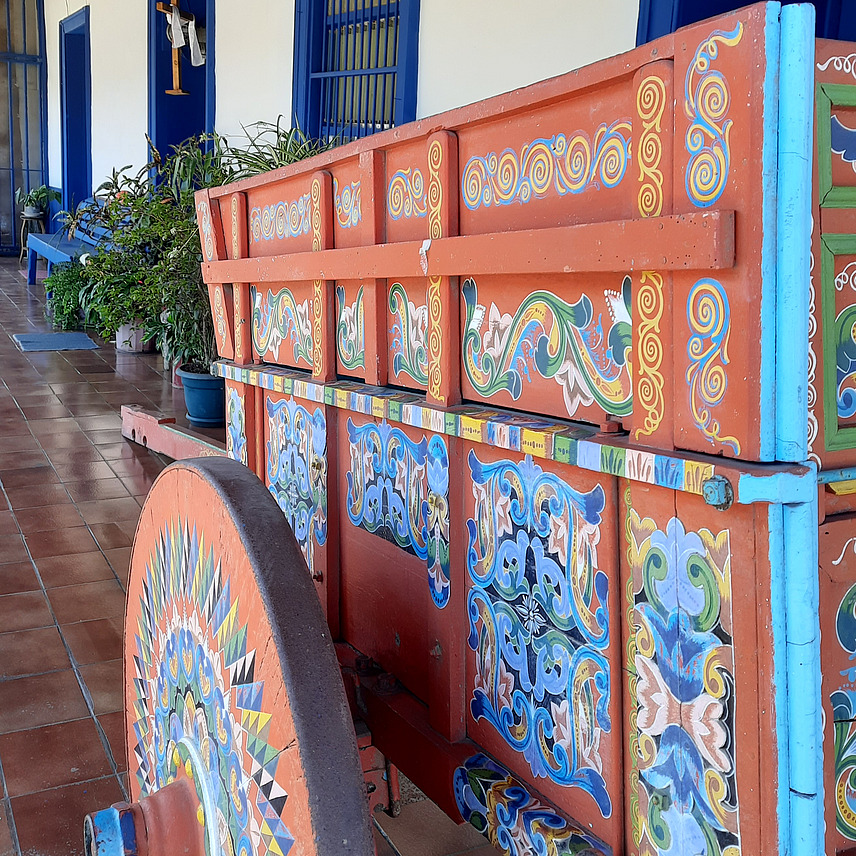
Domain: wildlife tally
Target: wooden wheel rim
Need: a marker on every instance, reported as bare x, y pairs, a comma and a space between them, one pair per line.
226, 646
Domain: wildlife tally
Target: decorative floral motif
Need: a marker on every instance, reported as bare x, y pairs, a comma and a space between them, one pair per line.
813, 426
845, 355
706, 103
650, 104
405, 196
843, 702
297, 471
847, 64
559, 340
350, 330
514, 821
203, 215
277, 316
409, 331
563, 164
709, 318
399, 489
539, 620
236, 434
236, 250
348, 207
191, 645
281, 220
650, 382
683, 731
220, 319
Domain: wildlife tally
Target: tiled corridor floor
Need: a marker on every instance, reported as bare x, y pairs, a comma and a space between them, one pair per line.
70, 494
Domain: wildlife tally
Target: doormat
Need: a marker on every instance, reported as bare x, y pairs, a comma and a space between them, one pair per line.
54, 342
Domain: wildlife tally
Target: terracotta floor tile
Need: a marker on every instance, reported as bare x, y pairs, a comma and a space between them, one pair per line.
31, 652
110, 536
21, 443
100, 408
37, 496
95, 641
14, 428
120, 560
7, 846
45, 831
100, 423
113, 435
138, 485
109, 510
137, 467
64, 441
29, 476
45, 411
24, 611
84, 602
7, 524
125, 449
18, 577
40, 700
22, 459
87, 491
114, 727
52, 756
83, 470
73, 455
40, 427
60, 542
48, 517
58, 571
12, 549
104, 682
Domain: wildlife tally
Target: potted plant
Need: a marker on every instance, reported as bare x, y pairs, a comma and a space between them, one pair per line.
36, 201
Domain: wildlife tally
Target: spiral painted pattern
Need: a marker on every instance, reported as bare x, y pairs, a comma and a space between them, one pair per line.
709, 318
649, 383
434, 298
405, 196
706, 102
318, 286
558, 164
203, 215
650, 104
281, 220
235, 249
348, 204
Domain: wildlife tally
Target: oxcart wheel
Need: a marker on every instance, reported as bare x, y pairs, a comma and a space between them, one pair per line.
232, 689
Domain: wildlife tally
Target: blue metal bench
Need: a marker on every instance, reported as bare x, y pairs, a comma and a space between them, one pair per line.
59, 247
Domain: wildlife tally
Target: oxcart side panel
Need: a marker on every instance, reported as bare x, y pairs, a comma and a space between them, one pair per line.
698, 660
725, 133
543, 658
832, 355
838, 639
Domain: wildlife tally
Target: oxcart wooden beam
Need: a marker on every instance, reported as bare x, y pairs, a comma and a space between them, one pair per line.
679, 242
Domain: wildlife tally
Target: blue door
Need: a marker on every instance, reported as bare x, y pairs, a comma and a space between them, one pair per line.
76, 109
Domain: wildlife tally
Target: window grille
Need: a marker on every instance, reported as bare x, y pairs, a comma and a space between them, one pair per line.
357, 66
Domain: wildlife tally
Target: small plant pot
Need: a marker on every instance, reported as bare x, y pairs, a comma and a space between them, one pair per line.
129, 338
205, 398
31, 212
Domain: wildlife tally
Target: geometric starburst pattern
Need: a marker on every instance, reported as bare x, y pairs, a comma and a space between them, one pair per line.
194, 677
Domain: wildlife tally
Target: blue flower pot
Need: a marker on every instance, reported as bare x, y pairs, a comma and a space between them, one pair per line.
205, 398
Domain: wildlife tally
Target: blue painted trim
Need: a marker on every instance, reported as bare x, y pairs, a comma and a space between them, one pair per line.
777, 488
778, 610
839, 475
805, 725
796, 128
76, 24
769, 225
407, 61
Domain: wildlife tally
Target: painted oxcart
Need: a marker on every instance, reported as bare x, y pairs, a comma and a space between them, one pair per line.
557, 393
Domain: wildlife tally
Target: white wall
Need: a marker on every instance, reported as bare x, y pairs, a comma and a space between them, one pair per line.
468, 50
472, 49
119, 67
254, 62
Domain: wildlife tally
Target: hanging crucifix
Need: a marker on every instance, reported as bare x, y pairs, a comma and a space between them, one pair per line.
170, 10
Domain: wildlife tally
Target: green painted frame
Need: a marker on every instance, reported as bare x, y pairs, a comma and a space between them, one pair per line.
831, 246
829, 95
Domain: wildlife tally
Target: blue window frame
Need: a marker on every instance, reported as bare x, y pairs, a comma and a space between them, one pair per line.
355, 66
23, 138
836, 19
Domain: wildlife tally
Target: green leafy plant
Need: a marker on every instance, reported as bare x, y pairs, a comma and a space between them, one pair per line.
64, 286
39, 197
147, 270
